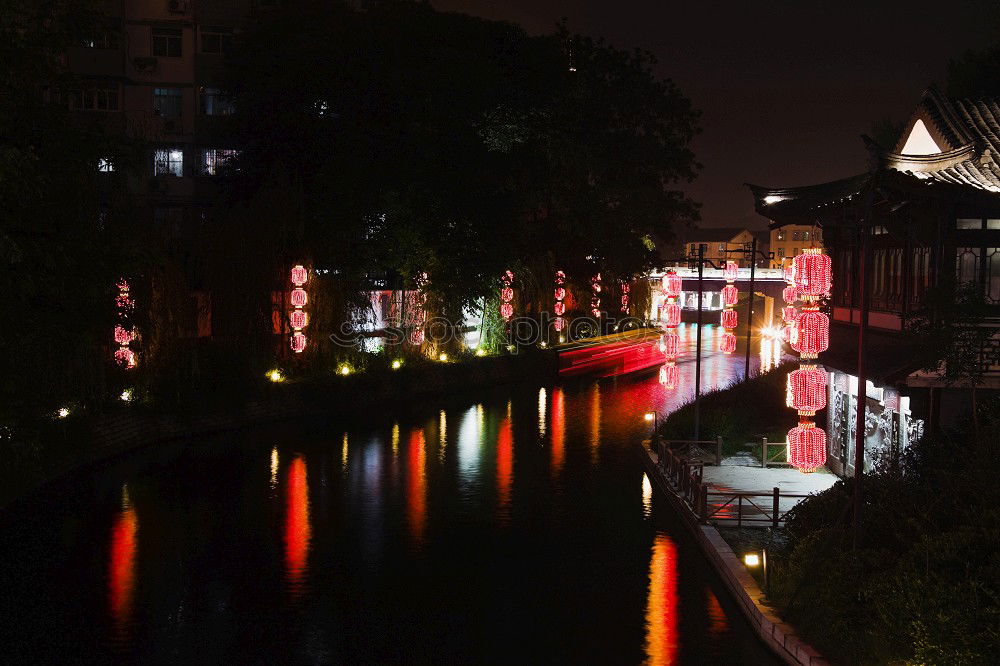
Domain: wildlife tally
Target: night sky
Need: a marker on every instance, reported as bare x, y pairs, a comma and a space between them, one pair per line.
786, 87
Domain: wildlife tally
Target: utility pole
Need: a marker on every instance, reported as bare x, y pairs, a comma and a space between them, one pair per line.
697, 353
859, 434
753, 263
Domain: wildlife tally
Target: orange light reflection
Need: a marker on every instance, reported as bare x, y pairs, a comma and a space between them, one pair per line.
558, 429
416, 487
298, 532
661, 606
121, 563
505, 468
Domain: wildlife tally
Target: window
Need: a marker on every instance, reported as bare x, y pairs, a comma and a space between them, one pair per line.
968, 223
879, 230
992, 274
779, 252
993, 224
167, 42
167, 102
105, 39
94, 99
796, 235
168, 162
215, 102
105, 165
795, 251
722, 247
805, 235
215, 39
781, 235
213, 159
967, 264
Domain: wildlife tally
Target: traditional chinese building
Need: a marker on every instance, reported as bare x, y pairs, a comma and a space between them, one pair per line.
931, 209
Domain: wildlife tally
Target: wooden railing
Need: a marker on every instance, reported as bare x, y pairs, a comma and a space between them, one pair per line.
687, 479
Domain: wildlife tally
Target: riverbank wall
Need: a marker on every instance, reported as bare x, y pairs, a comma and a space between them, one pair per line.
771, 629
78, 443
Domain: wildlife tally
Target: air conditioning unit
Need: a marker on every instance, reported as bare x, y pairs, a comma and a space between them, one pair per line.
144, 63
178, 6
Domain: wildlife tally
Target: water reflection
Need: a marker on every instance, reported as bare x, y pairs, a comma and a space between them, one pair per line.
121, 565
298, 531
594, 411
558, 429
505, 468
542, 399
647, 496
661, 603
416, 484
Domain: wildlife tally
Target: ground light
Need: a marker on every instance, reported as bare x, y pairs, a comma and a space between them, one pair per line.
275, 376
442, 357
126, 395
397, 364
751, 559
543, 344
63, 412
345, 370
480, 351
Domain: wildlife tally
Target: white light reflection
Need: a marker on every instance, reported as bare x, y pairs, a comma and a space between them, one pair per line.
469, 434
647, 496
274, 467
542, 402
442, 434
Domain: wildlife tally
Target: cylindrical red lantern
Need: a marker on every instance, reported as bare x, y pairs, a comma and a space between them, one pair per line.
789, 274
728, 319
671, 314
807, 447
298, 342
507, 294
730, 295
669, 375
811, 334
559, 293
789, 313
813, 273
671, 285
807, 389
559, 308
731, 271
298, 319
299, 297
727, 345
671, 345
506, 310
122, 336
559, 323
299, 275
789, 294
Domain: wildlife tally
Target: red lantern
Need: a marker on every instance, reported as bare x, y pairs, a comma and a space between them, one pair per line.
730, 295
672, 285
669, 375
731, 271
789, 294
126, 357
559, 309
560, 277
507, 294
299, 298
670, 344
122, 336
789, 313
813, 273
728, 319
298, 342
790, 274
299, 275
560, 293
298, 319
506, 310
807, 389
811, 334
671, 314
727, 345
559, 323
806, 447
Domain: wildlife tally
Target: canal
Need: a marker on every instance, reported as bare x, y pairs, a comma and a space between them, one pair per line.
508, 526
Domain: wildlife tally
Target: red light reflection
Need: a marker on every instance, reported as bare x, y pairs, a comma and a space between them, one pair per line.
121, 564
505, 466
558, 429
661, 605
416, 486
298, 531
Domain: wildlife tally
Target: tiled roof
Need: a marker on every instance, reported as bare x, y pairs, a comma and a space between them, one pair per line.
971, 131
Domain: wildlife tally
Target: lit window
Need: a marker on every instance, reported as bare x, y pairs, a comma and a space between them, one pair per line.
805, 235
215, 39
781, 235
993, 224
213, 159
105, 165
779, 252
167, 42
796, 235
968, 223
168, 162
215, 102
106, 39
167, 102
722, 247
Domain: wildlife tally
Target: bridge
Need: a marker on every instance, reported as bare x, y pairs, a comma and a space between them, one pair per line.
768, 282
